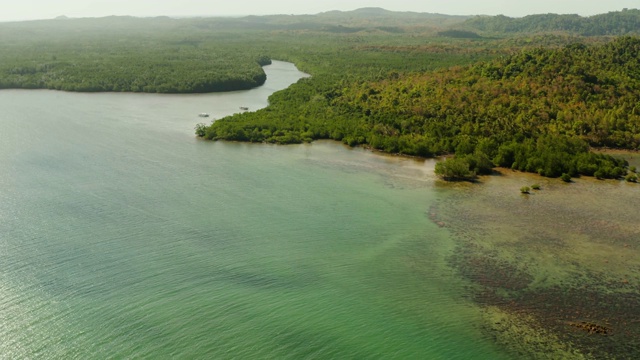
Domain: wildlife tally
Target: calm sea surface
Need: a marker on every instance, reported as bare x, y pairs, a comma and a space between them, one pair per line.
124, 236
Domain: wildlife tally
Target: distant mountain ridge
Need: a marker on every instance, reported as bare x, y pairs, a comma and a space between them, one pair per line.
332, 21
625, 22
368, 17
380, 12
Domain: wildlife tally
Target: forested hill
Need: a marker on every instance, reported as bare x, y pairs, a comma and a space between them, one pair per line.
537, 111
377, 16
626, 22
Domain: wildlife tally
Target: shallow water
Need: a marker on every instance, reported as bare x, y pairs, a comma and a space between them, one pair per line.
124, 236
545, 263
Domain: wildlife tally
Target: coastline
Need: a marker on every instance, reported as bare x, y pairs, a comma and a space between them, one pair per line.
632, 156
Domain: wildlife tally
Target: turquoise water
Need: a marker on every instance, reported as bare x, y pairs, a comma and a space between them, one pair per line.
124, 236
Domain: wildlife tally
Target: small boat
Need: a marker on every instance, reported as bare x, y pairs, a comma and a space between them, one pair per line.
244, 108
203, 115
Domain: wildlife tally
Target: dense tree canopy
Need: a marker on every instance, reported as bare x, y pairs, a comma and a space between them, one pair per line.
136, 62
537, 110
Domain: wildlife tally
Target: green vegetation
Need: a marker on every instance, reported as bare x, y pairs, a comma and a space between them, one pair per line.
626, 22
455, 169
536, 187
525, 190
461, 34
123, 54
537, 110
567, 178
166, 55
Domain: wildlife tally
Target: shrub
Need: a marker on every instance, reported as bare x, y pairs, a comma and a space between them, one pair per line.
525, 189
566, 177
480, 163
631, 177
454, 169
201, 129
535, 187
599, 174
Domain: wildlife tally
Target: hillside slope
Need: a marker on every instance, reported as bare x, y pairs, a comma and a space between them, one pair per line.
626, 22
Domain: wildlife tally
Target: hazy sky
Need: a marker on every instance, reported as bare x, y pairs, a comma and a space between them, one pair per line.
13, 10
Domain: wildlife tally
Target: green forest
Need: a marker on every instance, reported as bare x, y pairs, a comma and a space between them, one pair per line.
626, 22
535, 95
124, 54
538, 110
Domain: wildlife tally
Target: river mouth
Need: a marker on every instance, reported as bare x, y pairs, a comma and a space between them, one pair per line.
557, 271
